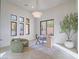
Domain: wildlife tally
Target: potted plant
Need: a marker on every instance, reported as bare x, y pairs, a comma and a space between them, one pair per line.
69, 26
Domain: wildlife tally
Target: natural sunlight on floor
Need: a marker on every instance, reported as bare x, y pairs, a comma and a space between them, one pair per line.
37, 52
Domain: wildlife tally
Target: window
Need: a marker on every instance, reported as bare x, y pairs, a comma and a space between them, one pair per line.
43, 27
27, 26
13, 17
13, 21
21, 19
47, 27
21, 25
21, 28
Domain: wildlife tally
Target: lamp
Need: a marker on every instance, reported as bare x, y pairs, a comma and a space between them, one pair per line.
37, 14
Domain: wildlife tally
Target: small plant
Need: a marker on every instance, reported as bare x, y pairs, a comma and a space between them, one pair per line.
69, 25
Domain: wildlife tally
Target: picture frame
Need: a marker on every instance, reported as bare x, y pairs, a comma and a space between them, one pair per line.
13, 17
13, 28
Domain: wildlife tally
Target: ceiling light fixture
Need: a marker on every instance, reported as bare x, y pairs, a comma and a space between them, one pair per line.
37, 13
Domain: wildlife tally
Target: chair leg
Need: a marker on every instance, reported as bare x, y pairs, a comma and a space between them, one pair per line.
37, 41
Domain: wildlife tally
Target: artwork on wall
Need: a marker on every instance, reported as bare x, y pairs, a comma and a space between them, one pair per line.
13, 17
21, 26
27, 26
13, 28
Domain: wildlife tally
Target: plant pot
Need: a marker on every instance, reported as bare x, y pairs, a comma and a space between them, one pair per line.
69, 44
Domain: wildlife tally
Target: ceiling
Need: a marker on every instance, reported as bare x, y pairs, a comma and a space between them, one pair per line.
30, 5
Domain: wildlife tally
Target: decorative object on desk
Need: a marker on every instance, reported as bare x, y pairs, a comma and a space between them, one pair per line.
69, 26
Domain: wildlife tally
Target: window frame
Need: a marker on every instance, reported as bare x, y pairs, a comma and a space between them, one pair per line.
11, 28
20, 28
46, 25
27, 22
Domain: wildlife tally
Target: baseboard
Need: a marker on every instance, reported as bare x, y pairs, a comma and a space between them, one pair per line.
75, 55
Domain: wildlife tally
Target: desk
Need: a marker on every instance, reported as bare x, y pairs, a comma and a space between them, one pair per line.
49, 41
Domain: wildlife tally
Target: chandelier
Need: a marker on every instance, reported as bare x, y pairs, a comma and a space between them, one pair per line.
37, 13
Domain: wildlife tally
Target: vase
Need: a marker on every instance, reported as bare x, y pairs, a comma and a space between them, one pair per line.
69, 44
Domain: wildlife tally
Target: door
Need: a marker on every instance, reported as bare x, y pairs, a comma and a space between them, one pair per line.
47, 27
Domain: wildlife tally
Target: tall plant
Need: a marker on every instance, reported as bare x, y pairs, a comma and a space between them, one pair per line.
69, 25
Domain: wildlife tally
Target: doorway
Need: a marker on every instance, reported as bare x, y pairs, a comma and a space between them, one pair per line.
47, 27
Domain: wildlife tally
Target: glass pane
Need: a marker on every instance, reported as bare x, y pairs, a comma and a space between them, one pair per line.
13, 17
50, 27
27, 26
13, 28
21, 29
27, 29
43, 28
21, 19
27, 20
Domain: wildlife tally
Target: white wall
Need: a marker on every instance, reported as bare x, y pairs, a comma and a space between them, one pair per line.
0, 13
8, 8
0, 20
57, 13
